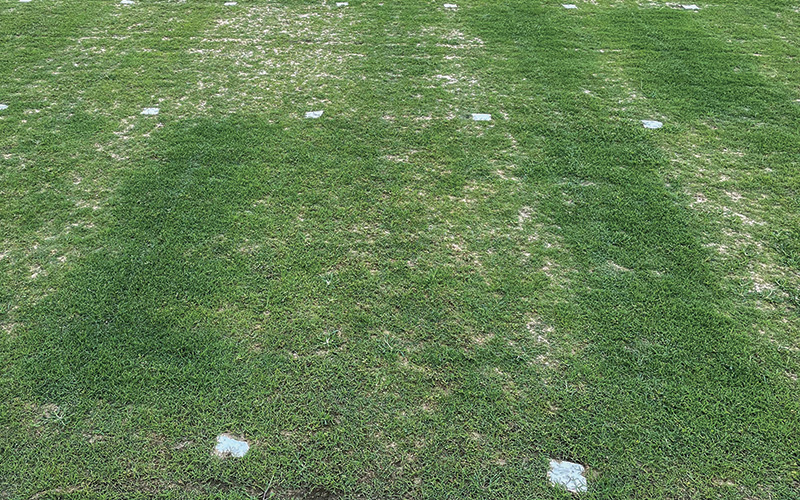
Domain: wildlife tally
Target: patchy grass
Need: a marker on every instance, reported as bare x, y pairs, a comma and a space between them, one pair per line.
394, 301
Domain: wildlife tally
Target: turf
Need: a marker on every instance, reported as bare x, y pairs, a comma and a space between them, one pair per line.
394, 301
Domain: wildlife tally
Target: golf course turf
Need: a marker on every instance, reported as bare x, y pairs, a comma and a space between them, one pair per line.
477, 259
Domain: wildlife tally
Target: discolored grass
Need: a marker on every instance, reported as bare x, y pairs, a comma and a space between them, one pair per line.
394, 301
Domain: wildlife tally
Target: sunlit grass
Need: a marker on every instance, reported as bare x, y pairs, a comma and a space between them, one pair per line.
394, 300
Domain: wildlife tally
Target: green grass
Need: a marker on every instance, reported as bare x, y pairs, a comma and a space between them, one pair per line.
393, 301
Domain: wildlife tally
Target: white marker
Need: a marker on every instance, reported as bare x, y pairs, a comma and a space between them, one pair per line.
568, 475
150, 111
481, 117
450, 6
3, 106
690, 7
314, 114
342, 4
226, 445
652, 124
569, 5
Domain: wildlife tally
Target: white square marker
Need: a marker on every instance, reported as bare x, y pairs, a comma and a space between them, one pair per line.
126, 2
229, 446
569, 5
150, 111
690, 7
652, 124
450, 6
314, 114
24, 1
568, 475
229, 4
3, 106
481, 117
342, 4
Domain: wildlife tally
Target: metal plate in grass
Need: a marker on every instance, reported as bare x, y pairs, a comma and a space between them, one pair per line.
229, 4
569, 475
314, 114
3, 106
342, 4
481, 117
126, 2
228, 446
150, 111
569, 5
652, 124
690, 7
451, 6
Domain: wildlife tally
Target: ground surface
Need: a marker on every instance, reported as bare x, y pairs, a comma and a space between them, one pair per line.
392, 300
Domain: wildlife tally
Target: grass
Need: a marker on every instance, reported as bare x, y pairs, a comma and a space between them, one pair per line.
394, 301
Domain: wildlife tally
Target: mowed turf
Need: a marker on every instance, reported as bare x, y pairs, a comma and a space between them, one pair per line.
394, 301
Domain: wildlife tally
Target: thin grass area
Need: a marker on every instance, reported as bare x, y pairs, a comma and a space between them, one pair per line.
395, 301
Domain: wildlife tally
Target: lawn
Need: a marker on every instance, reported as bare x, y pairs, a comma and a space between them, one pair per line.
393, 300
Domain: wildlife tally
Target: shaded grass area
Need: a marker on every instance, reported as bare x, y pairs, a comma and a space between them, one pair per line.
667, 330
198, 308
391, 329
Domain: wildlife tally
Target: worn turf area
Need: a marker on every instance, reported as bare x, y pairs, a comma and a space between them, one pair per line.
394, 301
